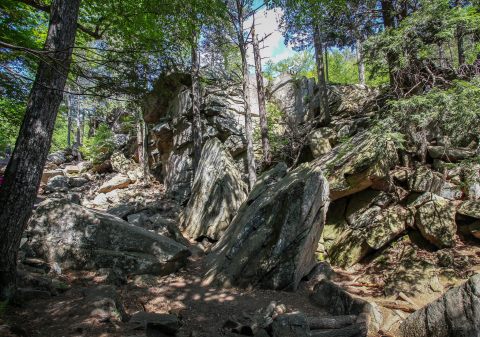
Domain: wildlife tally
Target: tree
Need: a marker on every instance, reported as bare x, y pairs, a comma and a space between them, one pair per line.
239, 11
24, 171
303, 22
262, 109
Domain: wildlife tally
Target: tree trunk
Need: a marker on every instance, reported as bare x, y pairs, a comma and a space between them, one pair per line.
327, 70
197, 121
262, 111
322, 84
142, 144
389, 22
69, 120
242, 45
360, 62
24, 171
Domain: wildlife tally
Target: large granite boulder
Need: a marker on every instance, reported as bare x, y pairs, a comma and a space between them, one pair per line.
355, 165
455, 314
75, 237
271, 241
217, 193
118, 181
435, 218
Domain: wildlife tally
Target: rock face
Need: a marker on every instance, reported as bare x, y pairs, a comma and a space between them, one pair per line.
217, 193
79, 238
435, 218
271, 241
293, 96
170, 111
358, 164
455, 314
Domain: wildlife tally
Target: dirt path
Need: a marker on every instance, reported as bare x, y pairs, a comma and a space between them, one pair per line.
202, 309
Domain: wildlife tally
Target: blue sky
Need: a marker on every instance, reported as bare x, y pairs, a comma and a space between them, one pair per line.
267, 23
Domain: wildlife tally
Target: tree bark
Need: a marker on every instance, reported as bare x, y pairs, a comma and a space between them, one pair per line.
322, 84
142, 143
327, 71
24, 171
197, 121
69, 120
242, 45
262, 110
360, 62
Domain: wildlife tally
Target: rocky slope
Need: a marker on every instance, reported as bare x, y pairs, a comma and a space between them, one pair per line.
399, 225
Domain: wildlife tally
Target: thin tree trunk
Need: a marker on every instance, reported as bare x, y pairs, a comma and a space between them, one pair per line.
142, 143
24, 171
322, 84
360, 62
197, 121
69, 120
242, 45
327, 68
262, 111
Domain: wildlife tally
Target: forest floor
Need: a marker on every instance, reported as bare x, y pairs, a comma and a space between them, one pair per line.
203, 309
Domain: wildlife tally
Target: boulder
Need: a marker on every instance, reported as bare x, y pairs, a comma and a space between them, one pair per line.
362, 162
72, 169
57, 184
119, 181
121, 164
425, 180
47, 174
217, 193
272, 240
470, 209
291, 324
77, 181
455, 314
435, 218
75, 237
336, 301
84, 166
57, 158
452, 154
320, 141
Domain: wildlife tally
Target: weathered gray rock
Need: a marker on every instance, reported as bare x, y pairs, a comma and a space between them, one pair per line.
293, 97
455, 314
451, 154
435, 218
425, 180
470, 209
57, 184
360, 163
336, 301
217, 193
57, 158
79, 238
119, 181
77, 181
271, 241
292, 324
320, 141
47, 174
